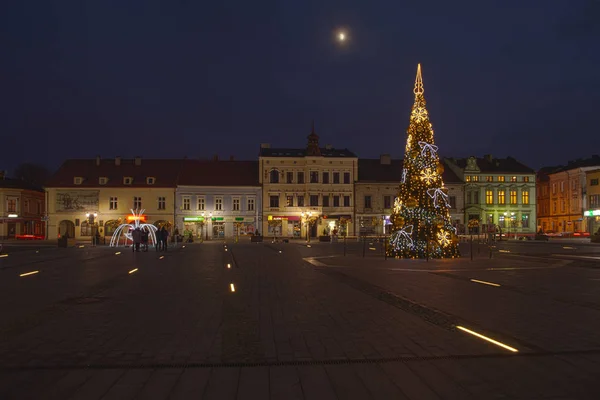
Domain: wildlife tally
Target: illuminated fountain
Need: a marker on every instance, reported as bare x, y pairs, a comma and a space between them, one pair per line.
127, 229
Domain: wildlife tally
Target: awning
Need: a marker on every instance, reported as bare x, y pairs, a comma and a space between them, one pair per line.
280, 217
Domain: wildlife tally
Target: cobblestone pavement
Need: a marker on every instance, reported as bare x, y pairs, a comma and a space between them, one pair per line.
277, 320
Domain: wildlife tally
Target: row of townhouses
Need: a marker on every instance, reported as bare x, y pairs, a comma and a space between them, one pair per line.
295, 193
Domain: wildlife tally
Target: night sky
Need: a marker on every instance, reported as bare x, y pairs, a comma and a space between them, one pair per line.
176, 78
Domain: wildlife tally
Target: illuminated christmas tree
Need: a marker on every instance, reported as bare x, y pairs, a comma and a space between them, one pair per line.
422, 227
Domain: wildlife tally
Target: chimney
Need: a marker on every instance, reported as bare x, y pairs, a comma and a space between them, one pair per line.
385, 159
230, 158
328, 147
138, 160
488, 157
118, 160
216, 157
98, 161
265, 145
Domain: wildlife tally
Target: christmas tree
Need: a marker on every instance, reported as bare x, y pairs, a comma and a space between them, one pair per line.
421, 222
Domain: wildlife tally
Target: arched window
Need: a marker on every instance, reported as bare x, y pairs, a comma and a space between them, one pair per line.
274, 176
86, 229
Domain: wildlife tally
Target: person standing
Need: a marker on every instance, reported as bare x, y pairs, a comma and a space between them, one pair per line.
137, 238
145, 240
164, 237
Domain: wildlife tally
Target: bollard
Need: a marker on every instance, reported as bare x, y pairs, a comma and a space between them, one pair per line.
344, 245
364, 245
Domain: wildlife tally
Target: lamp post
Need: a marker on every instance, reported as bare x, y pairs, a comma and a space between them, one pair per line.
309, 220
206, 223
512, 221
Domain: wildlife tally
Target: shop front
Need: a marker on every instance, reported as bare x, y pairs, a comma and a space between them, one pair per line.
195, 226
289, 226
593, 221
336, 224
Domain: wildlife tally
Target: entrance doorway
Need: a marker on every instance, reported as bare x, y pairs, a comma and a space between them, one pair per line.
66, 227
12, 230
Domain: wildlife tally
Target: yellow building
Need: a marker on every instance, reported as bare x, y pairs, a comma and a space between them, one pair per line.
592, 214
89, 196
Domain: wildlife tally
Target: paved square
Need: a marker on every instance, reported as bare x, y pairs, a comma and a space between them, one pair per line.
284, 320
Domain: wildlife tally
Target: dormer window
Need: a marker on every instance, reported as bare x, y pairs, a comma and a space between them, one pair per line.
150, 180
127, 180
78, 180
103, 180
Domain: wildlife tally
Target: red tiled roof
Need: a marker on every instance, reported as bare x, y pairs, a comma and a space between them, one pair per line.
219, 173
165, 172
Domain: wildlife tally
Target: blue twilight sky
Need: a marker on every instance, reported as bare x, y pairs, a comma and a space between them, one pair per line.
174, 78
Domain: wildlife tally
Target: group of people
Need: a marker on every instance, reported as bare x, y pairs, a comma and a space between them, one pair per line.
140, 239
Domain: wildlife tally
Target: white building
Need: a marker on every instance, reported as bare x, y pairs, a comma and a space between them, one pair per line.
377, 187
316, 180
218, 199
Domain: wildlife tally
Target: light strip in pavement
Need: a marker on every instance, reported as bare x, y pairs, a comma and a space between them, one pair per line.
574, 256
3, 255
497, 343
228, 266
569, 248
232, 287
29, 273
504, 251
372, 248
315, 262
484, 282
133, 270
161, 257
117, 253
81, 246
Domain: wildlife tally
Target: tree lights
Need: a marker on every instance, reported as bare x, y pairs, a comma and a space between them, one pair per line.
421, 222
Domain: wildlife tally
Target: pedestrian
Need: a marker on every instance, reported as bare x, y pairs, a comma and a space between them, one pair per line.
164, 238
145, 240
137, 238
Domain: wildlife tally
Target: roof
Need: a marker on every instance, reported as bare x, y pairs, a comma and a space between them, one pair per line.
544, 172
496, 165
165, 172
285, 152
219, 173
372, 170
8, 183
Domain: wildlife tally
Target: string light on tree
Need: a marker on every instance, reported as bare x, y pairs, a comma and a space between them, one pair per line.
421, 225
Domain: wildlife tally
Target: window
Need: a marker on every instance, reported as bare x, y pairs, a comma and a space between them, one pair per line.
346, 177
501, 222
326, 201
127, 180
289, 201
150, 180
78, 180
314, 200
452, 201
250, 204
289, 177
300, 201
468, 178
562, 186
554, 207
387, 202
476, 197
525, 220
236, 204
594, 182
274, 176
162, 203
314, 177
525, 179
489, 179
186, 203
219, 203
112, 203
26, 205
513, 178
554, 188
468, 199
325, 177
103, 180
525, 196
489, 197
137, 203
336, 177
502, 196
562, 206
274, 201
346, 201
300, 176
573, 185
201, 204
501, 179
336, 201
367, 201
513, 196
475, 178
595, 200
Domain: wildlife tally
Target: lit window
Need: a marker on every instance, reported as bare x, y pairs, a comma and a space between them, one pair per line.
525, 179
513, 197
513, 178
525, 197
489, 197
468, 178
501, 179
501, 196
489, 179
525, 220
475, 178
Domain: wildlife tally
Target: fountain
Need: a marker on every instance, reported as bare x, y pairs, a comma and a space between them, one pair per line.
125, 230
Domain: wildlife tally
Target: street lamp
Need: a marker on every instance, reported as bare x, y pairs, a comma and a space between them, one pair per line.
309, 220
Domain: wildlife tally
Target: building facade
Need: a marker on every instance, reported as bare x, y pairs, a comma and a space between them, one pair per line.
22, 210
500, 194
592, 214
89, 196
568, 198
307, 191
377, 187
218, 199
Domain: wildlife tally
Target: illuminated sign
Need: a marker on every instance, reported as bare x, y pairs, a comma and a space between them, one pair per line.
193, 219
589, 213
13, 216
141, 218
